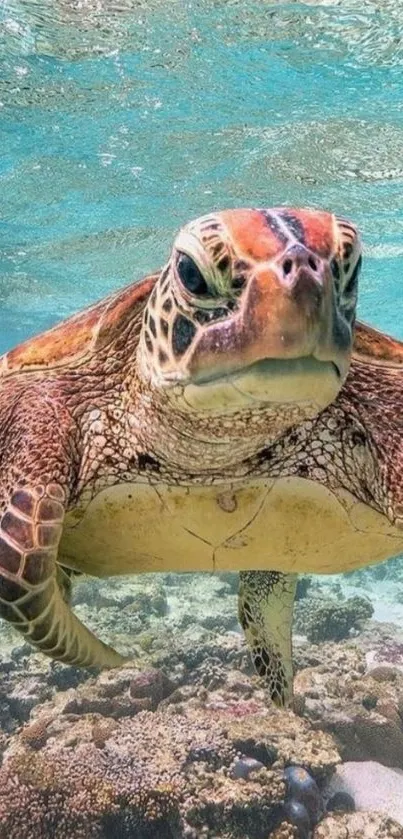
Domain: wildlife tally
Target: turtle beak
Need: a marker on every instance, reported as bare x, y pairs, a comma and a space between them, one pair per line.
289, 311
286, 305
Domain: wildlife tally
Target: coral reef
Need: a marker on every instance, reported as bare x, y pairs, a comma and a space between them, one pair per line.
358, 826
362, 711
183, 743
171, 772
119, 693
351, 826
329, 620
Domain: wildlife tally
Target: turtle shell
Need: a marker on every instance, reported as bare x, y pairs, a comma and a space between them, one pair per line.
77, 338
376, 347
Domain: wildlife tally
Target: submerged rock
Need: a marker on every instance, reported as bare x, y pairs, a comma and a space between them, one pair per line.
244, 767
302, 788
298, 815
341, 802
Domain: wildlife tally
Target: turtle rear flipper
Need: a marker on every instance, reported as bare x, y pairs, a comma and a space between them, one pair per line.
266, 601
30, 596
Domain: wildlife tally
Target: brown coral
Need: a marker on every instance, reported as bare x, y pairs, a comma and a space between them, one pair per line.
285, 831
152, 685
35, 733
102, 729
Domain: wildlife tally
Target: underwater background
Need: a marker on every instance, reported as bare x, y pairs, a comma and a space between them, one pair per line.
119, 121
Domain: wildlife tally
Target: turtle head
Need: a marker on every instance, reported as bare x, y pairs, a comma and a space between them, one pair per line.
255, 309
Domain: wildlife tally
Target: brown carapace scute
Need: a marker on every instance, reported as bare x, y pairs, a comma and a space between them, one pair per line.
212, 416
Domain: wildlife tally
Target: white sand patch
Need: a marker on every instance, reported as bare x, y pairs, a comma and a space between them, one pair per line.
375, 788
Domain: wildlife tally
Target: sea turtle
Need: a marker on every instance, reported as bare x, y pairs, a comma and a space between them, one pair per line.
203, 419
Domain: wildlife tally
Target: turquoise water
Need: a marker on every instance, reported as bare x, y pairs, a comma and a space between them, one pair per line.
121, 120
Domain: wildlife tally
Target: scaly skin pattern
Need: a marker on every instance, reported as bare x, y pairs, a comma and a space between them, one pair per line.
176, 382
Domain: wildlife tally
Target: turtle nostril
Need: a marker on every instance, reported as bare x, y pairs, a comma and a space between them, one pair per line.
312, 263
287, 266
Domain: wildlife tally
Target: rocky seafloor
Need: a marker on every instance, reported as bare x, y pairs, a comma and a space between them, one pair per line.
183, 741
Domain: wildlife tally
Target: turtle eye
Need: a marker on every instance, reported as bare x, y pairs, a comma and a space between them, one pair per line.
335, 269
350, 285
190, 275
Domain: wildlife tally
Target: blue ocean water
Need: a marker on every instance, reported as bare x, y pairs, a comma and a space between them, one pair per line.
120, 120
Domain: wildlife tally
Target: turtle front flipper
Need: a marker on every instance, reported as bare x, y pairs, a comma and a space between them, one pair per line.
30, 595
64, 577
266, 601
